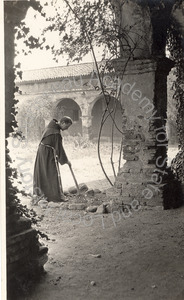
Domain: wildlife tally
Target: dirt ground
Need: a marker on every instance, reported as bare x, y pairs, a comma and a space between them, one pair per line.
137, 255
113, 256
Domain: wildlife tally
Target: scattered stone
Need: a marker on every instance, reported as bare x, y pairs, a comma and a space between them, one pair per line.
108, 209
43, 203
153, 286
79, 198
54, 204
97, 191
91, 208
77, 206
83, 187
90, 192
93, 283
66, 193
63, 205
113, 192
126, 208
72, 190
96, 255
101, 209
57, 279
113, 206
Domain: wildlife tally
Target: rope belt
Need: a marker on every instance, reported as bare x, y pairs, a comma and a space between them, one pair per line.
47, 146
57, 166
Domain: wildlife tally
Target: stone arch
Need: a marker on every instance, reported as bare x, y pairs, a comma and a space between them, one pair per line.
99, 107
68, 107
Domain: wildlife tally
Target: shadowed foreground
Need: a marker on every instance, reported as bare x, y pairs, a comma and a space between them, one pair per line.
113, 256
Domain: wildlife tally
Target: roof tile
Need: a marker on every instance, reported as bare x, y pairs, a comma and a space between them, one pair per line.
58, 72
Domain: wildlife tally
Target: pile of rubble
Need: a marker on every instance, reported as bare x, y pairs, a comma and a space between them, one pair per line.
90, 200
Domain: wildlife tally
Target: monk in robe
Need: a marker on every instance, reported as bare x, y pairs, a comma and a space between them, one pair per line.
47, 179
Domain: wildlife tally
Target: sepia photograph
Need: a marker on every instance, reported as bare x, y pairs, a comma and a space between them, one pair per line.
92, 150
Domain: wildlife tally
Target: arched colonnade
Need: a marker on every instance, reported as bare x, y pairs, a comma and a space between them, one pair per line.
86, 110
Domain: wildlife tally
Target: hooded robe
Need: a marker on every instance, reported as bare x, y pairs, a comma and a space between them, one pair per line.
47, 180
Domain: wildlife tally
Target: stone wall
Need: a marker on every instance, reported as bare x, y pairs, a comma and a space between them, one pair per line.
142, 69
144, 100
83, 99
75, 94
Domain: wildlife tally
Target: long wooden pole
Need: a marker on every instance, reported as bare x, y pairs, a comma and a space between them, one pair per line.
74, 178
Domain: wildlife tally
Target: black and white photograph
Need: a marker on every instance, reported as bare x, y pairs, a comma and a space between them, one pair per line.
92, 150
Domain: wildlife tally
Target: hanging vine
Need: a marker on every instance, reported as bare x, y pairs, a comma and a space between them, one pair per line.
95, 25
14, 208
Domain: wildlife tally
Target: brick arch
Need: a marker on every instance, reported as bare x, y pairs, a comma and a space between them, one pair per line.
69, 107
97, 110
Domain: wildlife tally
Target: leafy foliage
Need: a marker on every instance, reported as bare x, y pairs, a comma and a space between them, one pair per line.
77, 26
95, 24
175, 41
40, 107
178, 166
13, 201
172, 192
175, 46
